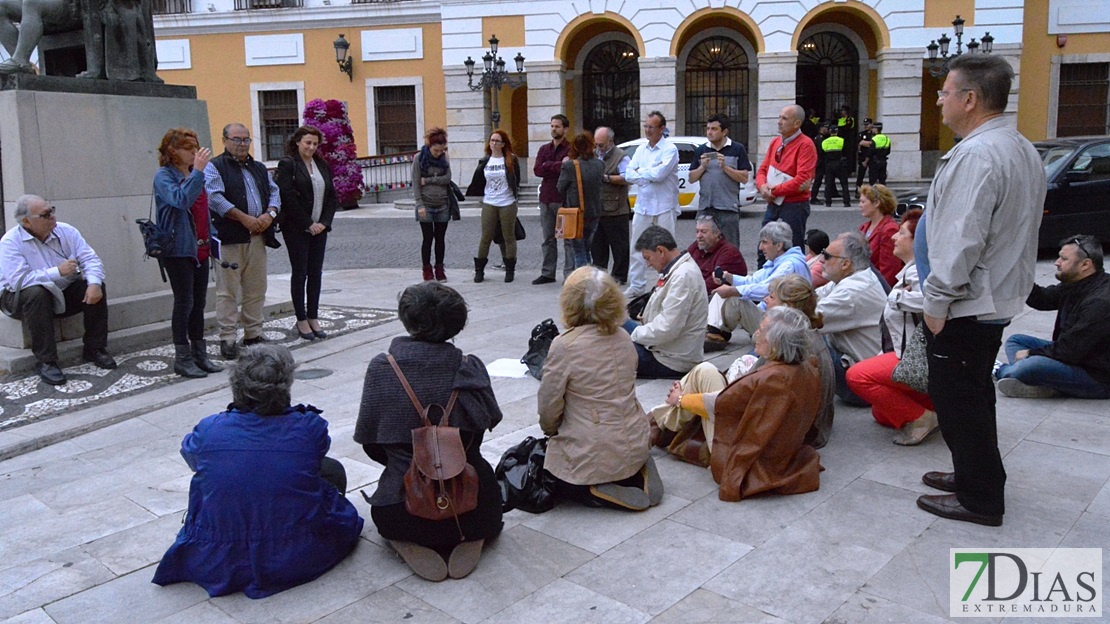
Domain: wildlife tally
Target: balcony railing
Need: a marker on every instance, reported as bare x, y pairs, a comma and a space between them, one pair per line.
391, 172
378, 1
245, 5
172, 7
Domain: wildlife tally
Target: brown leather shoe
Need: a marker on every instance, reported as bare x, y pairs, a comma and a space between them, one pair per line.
947, 506
943, 481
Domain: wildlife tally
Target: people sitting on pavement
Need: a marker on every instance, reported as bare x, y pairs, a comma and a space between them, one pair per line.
852, 304
598, 434
877, 204
267, 508
710, 250
757, 425
432, 314
816, 242
895, 404
671, 330
1076, 362
48, 271
686, 437
737, 302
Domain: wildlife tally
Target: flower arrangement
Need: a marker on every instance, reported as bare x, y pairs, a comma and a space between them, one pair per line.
338, 147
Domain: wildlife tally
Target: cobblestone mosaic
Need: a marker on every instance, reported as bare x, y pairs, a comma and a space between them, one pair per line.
25, 399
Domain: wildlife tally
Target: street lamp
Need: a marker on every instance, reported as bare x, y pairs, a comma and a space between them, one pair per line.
938, 65
345, 64
493, 77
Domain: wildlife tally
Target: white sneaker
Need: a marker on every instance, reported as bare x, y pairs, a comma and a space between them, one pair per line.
994, 370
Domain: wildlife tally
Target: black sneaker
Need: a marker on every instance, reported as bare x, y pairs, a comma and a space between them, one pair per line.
229, 350
543, 279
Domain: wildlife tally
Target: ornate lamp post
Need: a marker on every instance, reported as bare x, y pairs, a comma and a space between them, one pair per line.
938, 66
345, 64
493, 77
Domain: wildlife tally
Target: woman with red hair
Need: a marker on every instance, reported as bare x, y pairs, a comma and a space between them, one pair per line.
497, 181
894, 404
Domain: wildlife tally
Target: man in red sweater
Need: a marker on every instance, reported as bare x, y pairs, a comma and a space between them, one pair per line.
710, 250
786, 173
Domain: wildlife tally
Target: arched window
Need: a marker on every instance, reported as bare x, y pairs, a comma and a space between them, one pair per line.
611, 89
717, 84
828, 74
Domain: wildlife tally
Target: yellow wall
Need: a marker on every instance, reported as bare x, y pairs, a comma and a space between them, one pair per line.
1038, 48
218, 60
940, 13
508, 28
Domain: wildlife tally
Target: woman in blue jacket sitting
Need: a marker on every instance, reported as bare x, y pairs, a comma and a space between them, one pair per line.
267, 509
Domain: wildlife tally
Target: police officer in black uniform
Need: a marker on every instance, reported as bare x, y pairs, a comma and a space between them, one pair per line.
819, 172
864, 152
880, 151
836, 167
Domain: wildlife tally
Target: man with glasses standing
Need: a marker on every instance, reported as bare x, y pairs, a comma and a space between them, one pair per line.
976, 250
1076, 362
654, 171
786, 173
244, 201
47, 270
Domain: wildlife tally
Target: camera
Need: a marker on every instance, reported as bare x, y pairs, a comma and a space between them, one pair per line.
719, 273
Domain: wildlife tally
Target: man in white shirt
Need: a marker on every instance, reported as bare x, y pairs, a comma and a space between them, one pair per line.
654, 171
47, 270
852, 304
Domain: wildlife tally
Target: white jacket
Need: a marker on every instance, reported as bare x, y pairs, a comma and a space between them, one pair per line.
852, 308
675, 317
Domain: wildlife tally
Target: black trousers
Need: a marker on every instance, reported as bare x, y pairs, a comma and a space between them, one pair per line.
818, 178
876, 171
334, 473
960, 385
434, 232
35, 307
612, 234
306, 259
189, 282
861, 171
836, 170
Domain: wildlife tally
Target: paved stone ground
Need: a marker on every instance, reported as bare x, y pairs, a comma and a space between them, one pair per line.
85, 519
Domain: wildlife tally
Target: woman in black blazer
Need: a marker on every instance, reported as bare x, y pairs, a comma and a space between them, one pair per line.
307, 206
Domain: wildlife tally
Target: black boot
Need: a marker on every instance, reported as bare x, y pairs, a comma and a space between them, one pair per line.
480, 269
510, 269
200, 356
184, 364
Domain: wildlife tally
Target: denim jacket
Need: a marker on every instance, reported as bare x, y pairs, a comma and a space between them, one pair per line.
174, 196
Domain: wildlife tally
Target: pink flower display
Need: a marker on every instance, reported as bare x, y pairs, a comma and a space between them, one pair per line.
338, 147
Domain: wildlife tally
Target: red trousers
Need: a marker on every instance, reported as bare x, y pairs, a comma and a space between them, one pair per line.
892, 404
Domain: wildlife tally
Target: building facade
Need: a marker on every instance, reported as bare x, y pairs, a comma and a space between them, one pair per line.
610, 62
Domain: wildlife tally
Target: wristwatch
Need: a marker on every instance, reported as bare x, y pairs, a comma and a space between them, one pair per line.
273, 213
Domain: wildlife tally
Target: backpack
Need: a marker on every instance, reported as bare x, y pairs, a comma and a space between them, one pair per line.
439, 483
538, 345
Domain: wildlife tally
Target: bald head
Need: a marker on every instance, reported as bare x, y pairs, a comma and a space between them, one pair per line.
790, 119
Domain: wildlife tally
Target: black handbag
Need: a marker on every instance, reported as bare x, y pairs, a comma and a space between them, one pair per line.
454, 196
523, 482
156, 240
538, 345
518, 233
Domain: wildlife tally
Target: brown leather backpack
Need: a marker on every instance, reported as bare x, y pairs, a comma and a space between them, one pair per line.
439, 484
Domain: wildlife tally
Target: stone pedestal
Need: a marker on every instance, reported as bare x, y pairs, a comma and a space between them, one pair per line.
93, 155
900, 102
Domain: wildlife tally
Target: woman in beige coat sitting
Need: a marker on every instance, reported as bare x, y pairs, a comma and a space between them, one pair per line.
598, 447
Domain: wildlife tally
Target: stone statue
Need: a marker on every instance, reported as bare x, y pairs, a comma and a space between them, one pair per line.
35, 18
119, 35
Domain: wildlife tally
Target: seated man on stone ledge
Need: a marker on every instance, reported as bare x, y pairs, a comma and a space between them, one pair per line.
48, 270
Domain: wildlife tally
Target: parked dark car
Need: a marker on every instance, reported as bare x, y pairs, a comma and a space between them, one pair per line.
1078, 200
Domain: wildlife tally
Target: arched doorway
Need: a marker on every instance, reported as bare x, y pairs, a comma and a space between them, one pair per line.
717, 83
827, 74
611, 88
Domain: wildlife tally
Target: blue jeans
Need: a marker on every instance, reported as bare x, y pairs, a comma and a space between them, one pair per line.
647, 367
1038, 370
581, 246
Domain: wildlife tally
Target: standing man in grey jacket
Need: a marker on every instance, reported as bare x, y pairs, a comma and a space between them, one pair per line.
976, 247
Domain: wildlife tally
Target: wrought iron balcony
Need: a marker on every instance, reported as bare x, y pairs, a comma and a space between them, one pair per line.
172, 7
246, 5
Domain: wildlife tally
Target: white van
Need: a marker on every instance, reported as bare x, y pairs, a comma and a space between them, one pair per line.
687, 190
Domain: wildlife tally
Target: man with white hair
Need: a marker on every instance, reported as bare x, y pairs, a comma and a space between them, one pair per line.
739, 301
47, 270
852, 304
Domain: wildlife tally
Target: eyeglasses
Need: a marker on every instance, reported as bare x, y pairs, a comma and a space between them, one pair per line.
826, 255
943, 94
496, 141
47, 214
238, 141
1081, 244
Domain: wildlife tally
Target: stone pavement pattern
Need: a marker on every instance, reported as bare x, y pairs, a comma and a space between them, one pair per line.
85, 520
